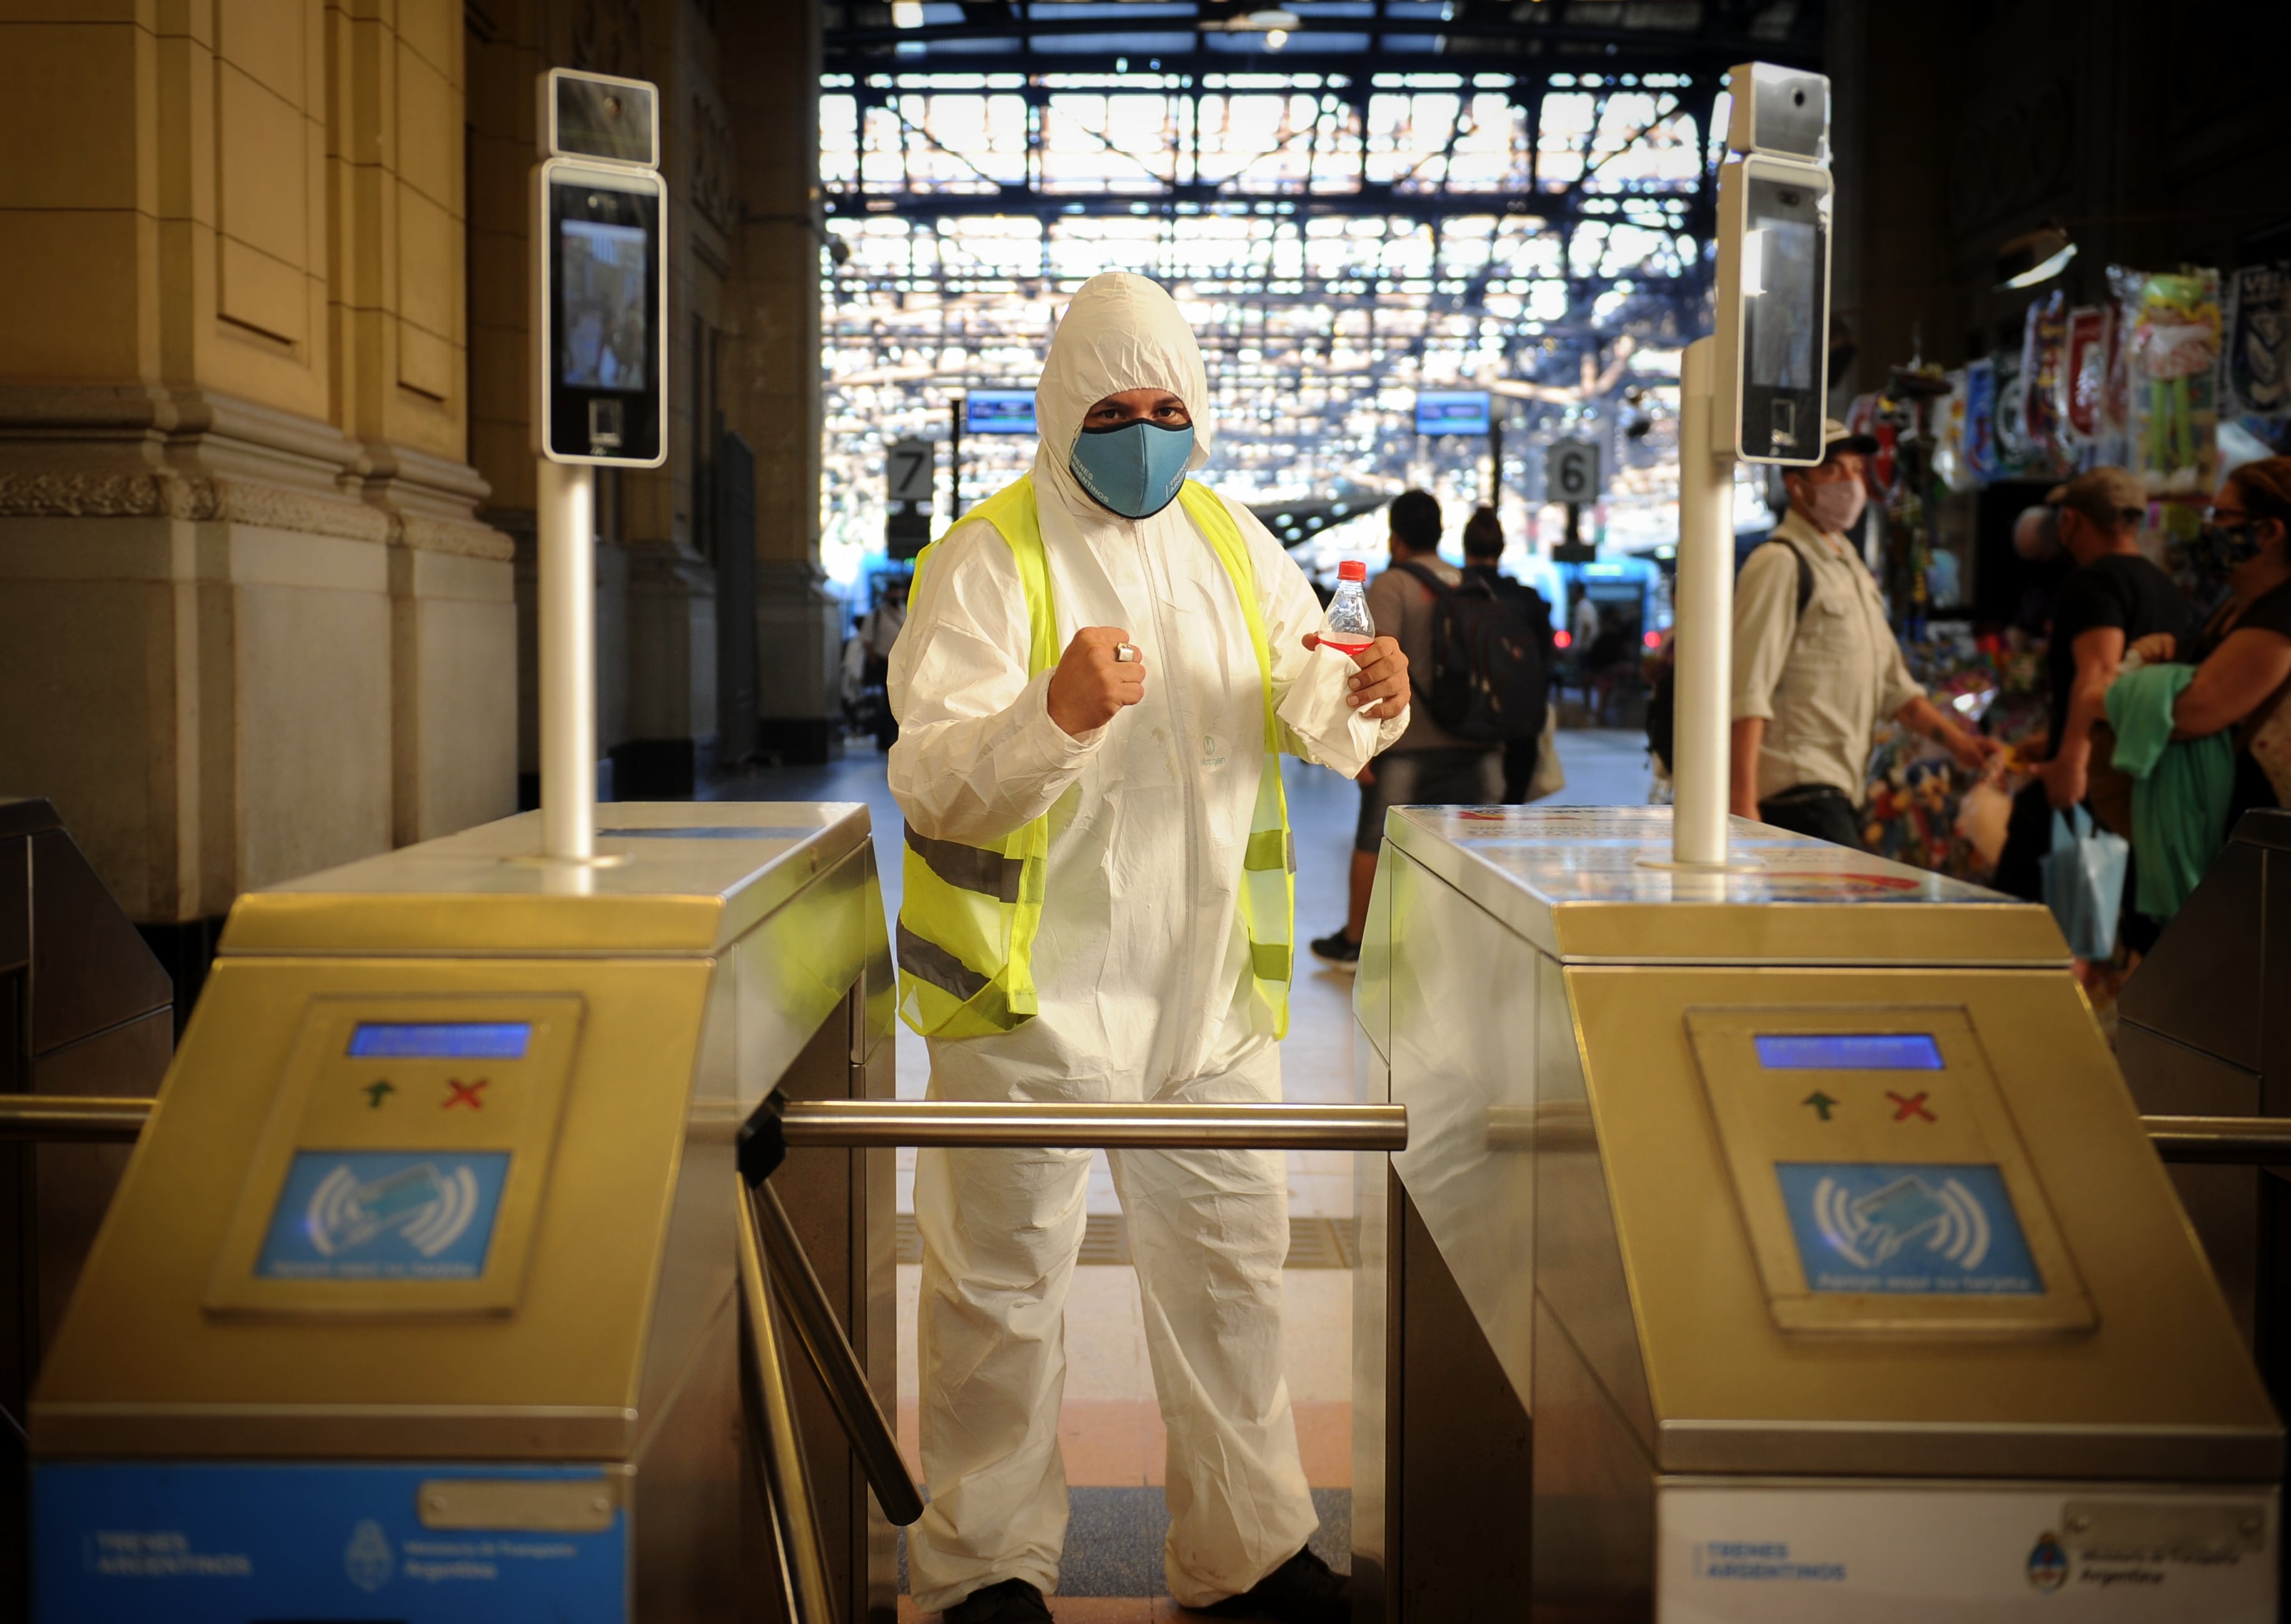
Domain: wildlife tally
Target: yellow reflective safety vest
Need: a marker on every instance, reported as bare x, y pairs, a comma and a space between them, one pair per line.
967, 925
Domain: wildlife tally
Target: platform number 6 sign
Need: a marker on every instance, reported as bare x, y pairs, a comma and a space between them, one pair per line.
1570, 472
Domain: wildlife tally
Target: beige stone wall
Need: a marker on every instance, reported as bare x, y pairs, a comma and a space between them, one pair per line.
249, 626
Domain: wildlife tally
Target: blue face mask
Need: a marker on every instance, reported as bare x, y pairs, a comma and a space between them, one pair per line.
1134, 470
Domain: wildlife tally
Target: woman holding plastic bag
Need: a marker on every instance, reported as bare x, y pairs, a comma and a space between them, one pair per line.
2228, 692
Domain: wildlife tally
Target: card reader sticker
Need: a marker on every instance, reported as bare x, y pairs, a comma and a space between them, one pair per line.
384, 1215
1925, 1228
441, 1040
1848, 1051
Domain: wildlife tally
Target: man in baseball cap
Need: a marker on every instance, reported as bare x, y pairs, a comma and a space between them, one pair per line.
1815, 660
2113, 599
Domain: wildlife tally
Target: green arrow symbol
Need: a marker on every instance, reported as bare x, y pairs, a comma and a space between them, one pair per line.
374, 1092
1821, 1102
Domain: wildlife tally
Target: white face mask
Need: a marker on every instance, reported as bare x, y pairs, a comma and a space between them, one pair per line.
1834, 507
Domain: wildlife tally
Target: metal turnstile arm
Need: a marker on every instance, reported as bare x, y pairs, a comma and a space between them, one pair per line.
829, 1351
779, 1444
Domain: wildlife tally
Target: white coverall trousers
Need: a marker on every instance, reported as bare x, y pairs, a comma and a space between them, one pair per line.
1000, 1231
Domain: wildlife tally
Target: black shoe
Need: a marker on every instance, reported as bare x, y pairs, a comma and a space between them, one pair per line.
1013, 1601
1302, 1590
1338, 953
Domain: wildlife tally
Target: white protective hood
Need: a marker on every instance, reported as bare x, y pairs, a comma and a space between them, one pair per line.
1120, 332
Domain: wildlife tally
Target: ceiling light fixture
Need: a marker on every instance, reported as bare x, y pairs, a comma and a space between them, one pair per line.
2034, 257
1272, 21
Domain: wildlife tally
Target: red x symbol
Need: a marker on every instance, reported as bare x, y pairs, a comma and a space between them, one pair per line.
1907, 1105
466, 1093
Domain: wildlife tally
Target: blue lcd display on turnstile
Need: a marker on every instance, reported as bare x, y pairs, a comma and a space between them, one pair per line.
1848, 1051
441, 1040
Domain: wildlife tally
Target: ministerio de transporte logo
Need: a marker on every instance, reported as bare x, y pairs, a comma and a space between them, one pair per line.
367, 1559
2048, 1563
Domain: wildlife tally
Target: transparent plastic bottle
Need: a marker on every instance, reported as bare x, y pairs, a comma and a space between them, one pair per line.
1348, 627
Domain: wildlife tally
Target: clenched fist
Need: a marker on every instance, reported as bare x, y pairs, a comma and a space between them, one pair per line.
1091, 685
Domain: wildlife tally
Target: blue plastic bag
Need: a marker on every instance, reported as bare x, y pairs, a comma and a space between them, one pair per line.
2083, 883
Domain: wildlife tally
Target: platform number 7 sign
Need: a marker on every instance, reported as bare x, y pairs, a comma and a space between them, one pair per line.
910, 467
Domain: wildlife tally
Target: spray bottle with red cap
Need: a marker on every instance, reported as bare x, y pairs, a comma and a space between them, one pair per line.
1348, 627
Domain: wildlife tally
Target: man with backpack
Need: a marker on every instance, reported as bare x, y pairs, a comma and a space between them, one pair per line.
1483, 546
1816, 663
1478, 663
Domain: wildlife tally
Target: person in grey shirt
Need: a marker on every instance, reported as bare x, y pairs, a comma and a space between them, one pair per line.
1816, 663
1429, 765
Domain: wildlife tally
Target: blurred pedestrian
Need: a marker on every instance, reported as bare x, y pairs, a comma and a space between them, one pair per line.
1483, 546
1816, 663
2114, 598
2242, 655
1428, 766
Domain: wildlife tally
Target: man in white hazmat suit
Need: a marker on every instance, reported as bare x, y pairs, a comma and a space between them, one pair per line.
1098, 907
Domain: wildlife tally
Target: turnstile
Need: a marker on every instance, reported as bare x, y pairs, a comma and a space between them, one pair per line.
1779, 1244
421, 1299
84, 1008
2204, 1030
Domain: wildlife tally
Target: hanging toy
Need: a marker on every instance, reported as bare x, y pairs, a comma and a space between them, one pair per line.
2175, 342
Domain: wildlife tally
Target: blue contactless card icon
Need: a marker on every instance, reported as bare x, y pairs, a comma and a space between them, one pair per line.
1908, 1229
384, 1215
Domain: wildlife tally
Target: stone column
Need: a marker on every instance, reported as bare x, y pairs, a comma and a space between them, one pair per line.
250, 626
772, 57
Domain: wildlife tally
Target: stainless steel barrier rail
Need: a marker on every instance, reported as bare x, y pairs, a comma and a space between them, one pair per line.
902, 1122
1096, 1127
82, 1118
2229, 1141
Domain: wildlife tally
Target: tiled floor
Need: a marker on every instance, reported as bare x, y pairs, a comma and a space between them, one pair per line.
1110, 1427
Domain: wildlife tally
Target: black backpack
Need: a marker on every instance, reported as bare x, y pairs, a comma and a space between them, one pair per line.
1491, 657
1662, 704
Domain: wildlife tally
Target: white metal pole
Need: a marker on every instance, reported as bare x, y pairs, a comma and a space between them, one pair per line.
568, 512
1704, 674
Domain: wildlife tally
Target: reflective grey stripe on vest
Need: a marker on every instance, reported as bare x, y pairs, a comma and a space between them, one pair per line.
1270, 849
927, 961
971, 867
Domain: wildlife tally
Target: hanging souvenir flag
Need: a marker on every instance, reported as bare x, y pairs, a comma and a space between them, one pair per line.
2259, 340
2044, 344
2010, 453
1948, 436
2084, 377
1980, 419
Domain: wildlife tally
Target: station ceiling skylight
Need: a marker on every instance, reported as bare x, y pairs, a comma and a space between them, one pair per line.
1404, 194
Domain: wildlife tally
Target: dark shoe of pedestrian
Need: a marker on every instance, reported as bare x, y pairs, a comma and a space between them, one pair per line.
1302, 1590
1013, 1601
1337, 953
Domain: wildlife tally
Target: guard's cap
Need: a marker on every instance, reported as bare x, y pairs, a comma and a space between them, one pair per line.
2110, 496
1836, 437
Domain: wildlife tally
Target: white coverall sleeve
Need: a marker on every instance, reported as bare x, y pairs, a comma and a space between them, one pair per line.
1766, 619
1291, 611
978, 755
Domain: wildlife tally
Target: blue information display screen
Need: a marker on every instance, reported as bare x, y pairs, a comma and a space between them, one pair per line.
1451, 411
1925, 1228
384, 1215
441, 1040
998, 412
1848, 1051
